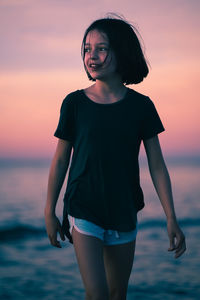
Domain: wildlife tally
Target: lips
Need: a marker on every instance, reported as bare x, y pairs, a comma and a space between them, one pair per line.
94, 66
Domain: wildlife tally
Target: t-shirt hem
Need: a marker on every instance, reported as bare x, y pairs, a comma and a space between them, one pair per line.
152, 134
59, 136
103, 225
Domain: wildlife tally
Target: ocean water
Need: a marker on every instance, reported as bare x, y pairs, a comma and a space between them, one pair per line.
30, 268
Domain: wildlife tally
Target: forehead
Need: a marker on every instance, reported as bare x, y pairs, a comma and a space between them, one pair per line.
95, 36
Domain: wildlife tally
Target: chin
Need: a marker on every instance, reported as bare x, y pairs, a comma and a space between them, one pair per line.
102, 77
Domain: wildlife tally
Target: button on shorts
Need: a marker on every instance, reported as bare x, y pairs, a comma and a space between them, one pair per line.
109, 237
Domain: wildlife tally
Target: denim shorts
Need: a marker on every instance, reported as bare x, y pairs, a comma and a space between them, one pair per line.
109, 237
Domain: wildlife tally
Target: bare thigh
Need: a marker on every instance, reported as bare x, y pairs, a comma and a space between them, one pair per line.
118, 260
89, 253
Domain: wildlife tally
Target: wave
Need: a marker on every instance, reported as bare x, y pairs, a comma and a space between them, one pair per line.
187, 222
26, 231
20, 232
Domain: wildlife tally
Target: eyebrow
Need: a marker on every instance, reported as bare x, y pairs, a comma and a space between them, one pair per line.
88, 44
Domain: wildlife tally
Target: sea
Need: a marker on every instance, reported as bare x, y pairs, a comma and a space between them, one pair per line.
30, 268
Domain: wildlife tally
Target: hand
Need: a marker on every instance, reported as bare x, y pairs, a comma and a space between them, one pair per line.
174, 232
52, 227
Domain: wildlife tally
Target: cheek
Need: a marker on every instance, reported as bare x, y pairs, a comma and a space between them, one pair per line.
87, 57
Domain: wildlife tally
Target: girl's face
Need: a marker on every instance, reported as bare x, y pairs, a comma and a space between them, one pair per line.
99, 59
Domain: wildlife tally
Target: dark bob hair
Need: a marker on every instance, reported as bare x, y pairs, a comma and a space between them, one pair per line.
131, 63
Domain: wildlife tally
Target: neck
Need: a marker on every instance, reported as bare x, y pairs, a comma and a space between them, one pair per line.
109, 87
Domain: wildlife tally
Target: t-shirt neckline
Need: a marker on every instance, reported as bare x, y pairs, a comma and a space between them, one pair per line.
122, 100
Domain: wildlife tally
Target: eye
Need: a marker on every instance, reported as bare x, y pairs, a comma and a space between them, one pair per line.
87, 50
102, 49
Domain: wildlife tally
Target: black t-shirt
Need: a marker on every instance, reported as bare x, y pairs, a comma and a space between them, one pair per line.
103, 184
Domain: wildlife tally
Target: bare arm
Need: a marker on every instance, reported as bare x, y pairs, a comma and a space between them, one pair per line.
58, 170
162, 184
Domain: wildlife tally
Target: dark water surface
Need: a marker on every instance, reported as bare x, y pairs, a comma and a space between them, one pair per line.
31, 269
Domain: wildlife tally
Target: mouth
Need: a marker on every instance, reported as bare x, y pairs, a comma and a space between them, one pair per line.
94, 66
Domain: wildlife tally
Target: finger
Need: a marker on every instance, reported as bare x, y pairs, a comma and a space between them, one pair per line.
172, 244
54, 242
180, 250
178, 254
179, 242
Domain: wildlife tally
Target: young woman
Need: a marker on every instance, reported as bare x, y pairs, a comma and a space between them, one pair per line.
104, 124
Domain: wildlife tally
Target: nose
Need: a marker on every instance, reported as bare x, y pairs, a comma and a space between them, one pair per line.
93, 54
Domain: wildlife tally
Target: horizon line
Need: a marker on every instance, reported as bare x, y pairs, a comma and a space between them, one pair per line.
192, 159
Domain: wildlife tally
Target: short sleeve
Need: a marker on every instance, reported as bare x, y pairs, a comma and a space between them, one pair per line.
152, 124
65, 129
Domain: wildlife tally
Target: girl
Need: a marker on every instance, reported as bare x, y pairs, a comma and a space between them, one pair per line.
105, 124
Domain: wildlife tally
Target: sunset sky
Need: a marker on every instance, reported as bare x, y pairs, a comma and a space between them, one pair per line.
40, 63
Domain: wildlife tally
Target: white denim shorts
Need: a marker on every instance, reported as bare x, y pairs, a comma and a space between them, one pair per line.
109, 237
